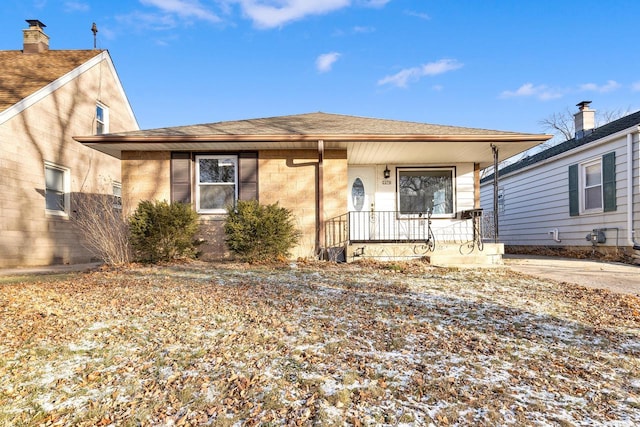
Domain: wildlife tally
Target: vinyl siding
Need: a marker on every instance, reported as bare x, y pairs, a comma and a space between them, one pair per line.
636, 190
537, 200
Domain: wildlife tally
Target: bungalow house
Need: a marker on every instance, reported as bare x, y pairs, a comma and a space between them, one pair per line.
358, 187
46, 97
583, 193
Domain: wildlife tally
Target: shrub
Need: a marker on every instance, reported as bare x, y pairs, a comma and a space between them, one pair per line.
258, 232
162, 231
103, 227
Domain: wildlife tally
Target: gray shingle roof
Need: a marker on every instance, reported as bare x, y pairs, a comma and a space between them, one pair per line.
598, 133
313, 124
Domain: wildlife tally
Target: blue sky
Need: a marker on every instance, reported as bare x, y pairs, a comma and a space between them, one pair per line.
501, 65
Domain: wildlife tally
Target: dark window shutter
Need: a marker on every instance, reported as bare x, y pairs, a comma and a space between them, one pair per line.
574, 191
609, 181
248, 176
181, 177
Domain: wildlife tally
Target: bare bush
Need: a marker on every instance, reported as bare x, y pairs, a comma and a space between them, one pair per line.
103, 227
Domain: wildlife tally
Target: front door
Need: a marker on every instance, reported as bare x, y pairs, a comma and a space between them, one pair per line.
361, 202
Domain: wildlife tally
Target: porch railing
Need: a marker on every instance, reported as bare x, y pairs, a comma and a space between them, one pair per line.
488, 226
389, 227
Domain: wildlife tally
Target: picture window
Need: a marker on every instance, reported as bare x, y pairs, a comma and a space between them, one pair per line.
426, 189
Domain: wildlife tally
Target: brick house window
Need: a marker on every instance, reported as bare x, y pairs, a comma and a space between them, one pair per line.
56, 190
117, 195
216, 183
102, 119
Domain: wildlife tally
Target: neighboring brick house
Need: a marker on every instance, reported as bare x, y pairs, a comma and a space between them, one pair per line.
47, 97
583, 193
358, 187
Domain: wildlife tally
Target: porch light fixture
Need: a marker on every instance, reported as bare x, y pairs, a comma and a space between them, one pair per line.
387, 172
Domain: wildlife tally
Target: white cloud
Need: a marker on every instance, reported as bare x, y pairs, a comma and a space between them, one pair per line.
149, 21
410, 75
75, 6
420, 15
276, 13
183, 8
541, 92
363, 30
440, 67
374, 3
107, 32
610, 86
325, 62
635, 87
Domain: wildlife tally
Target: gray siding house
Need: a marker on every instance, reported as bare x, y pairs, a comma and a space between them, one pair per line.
583, 193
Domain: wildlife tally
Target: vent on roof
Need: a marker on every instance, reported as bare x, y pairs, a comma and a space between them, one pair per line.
585, 119
35, 40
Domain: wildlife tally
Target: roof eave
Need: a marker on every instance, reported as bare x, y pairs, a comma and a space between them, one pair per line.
111, 139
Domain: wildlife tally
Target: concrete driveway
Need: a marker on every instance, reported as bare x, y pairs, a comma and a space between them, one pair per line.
616, 277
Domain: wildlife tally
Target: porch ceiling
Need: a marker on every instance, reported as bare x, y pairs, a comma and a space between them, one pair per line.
434, 152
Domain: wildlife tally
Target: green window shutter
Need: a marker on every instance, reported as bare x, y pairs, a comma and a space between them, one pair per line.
248, 176
609, 181
181, 177
574, 191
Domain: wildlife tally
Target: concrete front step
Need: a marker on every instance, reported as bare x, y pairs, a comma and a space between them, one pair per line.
445, 254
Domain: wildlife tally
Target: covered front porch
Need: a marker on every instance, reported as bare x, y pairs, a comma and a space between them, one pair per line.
391, 236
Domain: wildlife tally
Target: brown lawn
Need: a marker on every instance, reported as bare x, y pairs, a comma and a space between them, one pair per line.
315, 344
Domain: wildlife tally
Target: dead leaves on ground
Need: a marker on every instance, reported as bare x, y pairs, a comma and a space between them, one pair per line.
361, 345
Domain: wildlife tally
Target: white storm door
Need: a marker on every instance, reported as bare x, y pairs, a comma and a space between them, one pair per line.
361, 202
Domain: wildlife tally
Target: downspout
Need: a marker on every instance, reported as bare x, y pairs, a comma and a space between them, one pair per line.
320, 200
631, 237
495, 193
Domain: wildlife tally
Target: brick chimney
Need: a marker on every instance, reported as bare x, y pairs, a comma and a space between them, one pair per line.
35, 40
585, 119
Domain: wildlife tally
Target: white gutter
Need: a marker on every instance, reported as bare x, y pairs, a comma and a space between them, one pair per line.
630, 232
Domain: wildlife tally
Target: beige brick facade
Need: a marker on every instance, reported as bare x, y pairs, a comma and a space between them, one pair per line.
284, 176
146, 175
289, 178
43, 133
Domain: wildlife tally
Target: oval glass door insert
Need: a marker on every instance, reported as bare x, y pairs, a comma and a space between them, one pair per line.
357, 194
